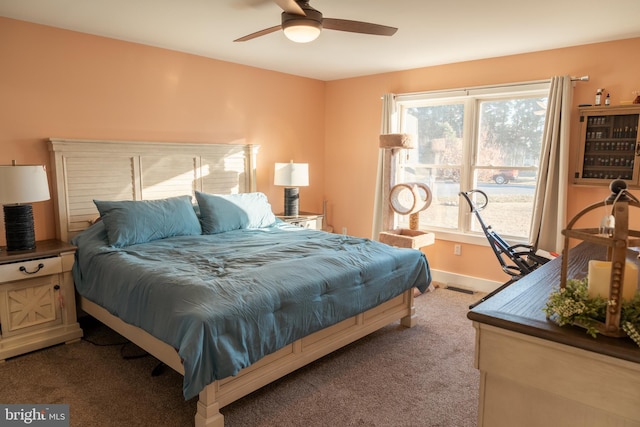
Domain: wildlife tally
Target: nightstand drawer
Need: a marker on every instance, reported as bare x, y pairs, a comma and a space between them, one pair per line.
306, 223
304, 220
30, 269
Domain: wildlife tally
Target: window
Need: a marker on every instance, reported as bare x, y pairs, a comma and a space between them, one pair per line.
485, 138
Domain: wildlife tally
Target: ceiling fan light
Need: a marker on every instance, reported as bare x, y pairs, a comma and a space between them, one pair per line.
302, 32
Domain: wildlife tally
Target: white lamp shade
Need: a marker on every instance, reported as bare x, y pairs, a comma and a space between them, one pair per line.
23, 184
291, 174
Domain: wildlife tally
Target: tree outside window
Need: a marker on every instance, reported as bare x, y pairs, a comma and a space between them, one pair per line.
487, 142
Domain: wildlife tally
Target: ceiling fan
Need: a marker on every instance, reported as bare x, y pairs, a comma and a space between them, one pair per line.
302, 23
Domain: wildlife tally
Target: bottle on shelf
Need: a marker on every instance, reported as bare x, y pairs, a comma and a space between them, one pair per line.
609, 141
598, 96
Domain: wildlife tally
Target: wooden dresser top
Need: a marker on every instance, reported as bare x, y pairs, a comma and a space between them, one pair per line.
519, 307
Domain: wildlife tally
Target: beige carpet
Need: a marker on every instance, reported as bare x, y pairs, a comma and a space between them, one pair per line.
422, 376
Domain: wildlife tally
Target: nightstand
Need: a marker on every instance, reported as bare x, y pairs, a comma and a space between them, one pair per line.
304, 220
37, 298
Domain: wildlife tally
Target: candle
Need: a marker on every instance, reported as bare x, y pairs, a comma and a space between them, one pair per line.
599, 279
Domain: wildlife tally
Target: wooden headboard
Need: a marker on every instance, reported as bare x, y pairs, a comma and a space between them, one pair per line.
84, 170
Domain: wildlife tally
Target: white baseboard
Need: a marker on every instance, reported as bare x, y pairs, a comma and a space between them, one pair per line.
465, 282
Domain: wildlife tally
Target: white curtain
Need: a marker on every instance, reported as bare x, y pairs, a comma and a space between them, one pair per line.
388, 126
550, 202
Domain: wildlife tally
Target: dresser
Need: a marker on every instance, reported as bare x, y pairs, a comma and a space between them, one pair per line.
534, 373
37, 298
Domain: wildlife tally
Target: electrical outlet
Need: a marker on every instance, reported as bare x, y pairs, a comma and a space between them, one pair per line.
344, 230
457, 249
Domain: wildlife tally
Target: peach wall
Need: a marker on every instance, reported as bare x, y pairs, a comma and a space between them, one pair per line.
58, 83
353, 124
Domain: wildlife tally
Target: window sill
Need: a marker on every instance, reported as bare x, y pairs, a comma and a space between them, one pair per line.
479, 240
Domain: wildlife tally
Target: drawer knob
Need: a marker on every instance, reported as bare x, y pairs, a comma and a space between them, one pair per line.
24, 269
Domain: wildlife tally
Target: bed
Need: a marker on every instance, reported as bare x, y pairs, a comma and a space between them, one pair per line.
228, 296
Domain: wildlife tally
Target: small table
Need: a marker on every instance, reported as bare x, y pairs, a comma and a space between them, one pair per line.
406, 238
309, 220
37, 298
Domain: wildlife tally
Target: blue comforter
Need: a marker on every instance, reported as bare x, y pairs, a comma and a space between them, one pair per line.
226, 300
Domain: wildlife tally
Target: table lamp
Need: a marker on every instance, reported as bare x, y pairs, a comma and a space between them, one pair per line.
21, 185
291, 176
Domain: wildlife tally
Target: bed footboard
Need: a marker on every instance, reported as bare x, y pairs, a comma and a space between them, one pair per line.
299, 353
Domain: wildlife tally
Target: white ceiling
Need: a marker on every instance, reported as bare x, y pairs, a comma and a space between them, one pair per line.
431, 32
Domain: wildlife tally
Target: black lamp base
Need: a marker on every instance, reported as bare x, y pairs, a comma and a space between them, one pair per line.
18, 224
291, 199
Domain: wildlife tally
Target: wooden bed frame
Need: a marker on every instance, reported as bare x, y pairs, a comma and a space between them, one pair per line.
84, 170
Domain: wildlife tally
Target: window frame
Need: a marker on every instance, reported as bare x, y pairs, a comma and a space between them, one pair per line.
472, 99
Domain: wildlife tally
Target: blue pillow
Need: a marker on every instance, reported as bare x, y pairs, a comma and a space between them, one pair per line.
220, 213
130, 222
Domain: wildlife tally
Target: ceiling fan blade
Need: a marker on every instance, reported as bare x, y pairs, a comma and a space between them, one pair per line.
258, 33
358, 27
244, 4
290, 6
